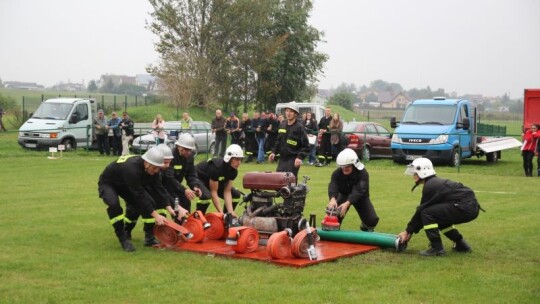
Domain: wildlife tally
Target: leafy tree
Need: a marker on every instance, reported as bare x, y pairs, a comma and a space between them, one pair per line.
232, 53
92, 86
108, 87
343, 99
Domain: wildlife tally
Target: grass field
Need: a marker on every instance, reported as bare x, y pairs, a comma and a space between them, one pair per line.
58, 247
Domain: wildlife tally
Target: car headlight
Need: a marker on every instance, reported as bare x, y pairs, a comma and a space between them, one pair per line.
441, 139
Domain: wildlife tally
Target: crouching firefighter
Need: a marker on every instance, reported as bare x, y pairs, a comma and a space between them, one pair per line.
444, 203
163, 200
217, 176
127, 178
349, 185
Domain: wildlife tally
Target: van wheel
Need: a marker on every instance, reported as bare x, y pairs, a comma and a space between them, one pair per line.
455, 159
366, 154
492, 157
69, 144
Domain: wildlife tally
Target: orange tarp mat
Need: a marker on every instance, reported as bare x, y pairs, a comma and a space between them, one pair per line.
326, 251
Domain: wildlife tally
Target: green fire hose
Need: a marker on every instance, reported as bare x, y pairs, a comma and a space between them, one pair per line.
361, 237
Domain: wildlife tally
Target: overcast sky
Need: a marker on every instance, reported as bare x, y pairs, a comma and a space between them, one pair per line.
488, 47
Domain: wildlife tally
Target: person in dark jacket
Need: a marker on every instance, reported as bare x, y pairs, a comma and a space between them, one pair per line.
127, 178
310, 123
127, 132
183, 167
325, 150
292, 143
114, 125
218, 128
162, 207
271, 131
444, 204
248, 141
349, 185
259, 123
217, 176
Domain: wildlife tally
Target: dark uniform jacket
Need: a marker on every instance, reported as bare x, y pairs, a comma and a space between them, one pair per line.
440, 191
181, 168
324, 123
292, 141
215, 169
128, 126
128, 177
355, 186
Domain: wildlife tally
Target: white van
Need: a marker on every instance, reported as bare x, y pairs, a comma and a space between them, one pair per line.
59, 121
303, 107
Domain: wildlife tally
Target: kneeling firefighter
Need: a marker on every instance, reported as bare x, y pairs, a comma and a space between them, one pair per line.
444, 203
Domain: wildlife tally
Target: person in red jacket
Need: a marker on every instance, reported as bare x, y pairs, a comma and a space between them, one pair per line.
528, 149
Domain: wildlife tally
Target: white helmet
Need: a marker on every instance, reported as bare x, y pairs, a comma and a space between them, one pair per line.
421, 166
293, 106
167, 152
185, 140
154, 156
233, 150
349, 157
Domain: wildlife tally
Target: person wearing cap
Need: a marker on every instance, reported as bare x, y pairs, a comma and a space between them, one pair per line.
183, 167
349, 185
101, 130
127, 178
161, 206
217, 176
292, 143
444, 204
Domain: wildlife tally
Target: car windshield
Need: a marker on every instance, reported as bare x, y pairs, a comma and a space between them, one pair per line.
429, 114
350, 127
51, 110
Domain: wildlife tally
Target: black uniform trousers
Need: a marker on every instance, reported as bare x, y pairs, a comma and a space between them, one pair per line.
365, 211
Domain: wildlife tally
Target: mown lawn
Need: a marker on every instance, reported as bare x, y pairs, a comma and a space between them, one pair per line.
58, 247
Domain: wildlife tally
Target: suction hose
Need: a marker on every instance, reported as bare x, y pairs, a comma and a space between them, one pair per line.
362, 237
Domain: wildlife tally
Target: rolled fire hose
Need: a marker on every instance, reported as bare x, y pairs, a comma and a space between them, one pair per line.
217, 229
361, 237
167, 233
246, 239
299, 246
279, 245
195, 226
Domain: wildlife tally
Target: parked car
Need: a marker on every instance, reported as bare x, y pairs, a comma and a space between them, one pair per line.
378, 139
205, 140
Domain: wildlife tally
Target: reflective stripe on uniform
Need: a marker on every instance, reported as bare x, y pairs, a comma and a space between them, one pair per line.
282, 131
292, 142
431, 226
161, 211
149, 220
123, 158
117, 219
448, 229
178, 167
128, 221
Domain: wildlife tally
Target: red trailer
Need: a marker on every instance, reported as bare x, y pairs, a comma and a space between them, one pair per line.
531, 110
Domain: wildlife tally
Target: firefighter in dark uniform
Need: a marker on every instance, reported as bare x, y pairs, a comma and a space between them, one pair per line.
325, 150
217, 176
164, 202
349, 185
444, 203
183, 167
127, 178
292, 143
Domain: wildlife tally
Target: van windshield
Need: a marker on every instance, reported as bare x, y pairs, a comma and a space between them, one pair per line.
51, 110
429, 115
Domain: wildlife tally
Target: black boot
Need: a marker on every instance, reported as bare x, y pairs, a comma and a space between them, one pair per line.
436, 247
365, 228
128, 227
461, 246
149, 238
459, 243
121, 234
